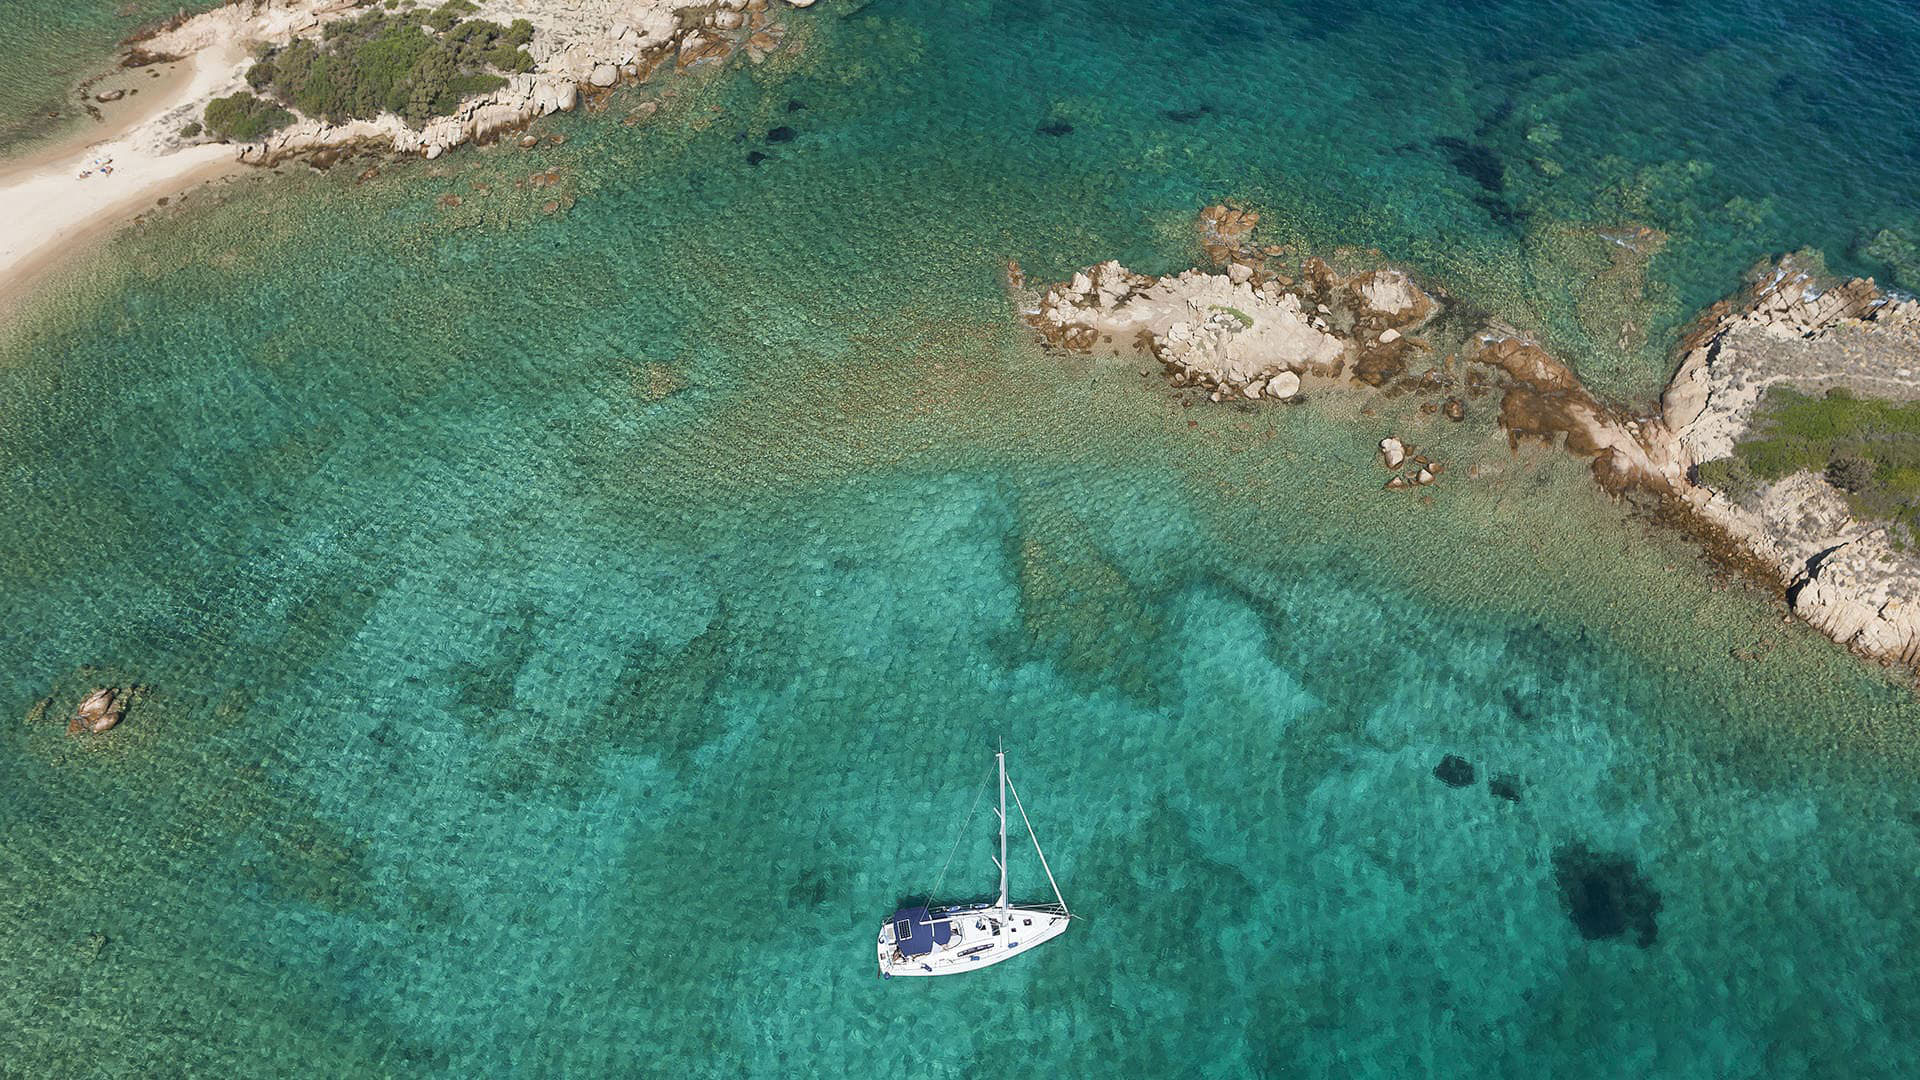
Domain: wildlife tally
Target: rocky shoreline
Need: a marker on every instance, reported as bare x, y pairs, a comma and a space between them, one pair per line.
1265, 324
578, 46
1793, 328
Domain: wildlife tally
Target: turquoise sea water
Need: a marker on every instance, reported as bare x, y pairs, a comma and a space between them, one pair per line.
52, 45
568, 633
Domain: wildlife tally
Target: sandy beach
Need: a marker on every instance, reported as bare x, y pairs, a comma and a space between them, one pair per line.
131, 162
61, 195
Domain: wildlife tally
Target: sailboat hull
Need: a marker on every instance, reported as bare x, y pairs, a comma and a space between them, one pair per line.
976, 937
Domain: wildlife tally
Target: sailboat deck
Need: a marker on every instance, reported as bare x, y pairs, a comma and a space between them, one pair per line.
977, 937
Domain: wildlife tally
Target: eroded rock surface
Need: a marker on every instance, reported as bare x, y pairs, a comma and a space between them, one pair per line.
98, 712
1266, 322
1252, 330
1785, 330
1791, 328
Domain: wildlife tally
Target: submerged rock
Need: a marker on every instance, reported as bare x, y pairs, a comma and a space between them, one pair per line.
1605, 894
1504, 786
1454, 771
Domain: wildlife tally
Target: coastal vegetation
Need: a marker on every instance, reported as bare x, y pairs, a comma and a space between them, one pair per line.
1869, 449
241, 116
417, 63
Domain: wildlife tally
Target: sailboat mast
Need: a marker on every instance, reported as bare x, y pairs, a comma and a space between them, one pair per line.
1002, 756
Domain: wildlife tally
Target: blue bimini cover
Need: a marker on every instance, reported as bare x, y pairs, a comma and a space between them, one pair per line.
915, 932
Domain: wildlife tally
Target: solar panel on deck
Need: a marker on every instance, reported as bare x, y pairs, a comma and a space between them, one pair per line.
916, 932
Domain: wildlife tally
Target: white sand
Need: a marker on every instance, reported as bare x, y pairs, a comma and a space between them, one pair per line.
47, 210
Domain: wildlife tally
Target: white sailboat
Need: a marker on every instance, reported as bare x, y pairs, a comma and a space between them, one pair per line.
949, 939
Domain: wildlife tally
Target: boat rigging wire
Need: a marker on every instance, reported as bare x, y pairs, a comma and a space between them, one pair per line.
1036, 845
961, 835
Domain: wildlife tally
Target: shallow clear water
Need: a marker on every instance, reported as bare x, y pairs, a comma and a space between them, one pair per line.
570, 632
54, 44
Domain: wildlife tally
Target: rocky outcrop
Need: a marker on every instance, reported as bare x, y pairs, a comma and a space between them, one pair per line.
98, 712
592, 44
1544, 399
1863, 594
1266, 322
1785, 329
1792, 327
1261, 326
1251, 331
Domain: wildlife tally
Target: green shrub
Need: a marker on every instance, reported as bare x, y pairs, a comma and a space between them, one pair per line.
1851, 473
191, 131
1729, 475
244, 117
509, 58
1867, 448
418, 64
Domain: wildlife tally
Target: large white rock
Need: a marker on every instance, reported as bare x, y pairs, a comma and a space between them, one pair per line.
604, 75
1393, 451
1390, 292
1283, 385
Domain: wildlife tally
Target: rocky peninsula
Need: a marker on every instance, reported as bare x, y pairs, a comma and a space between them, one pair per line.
1263, 324
168, 145
1791, 327
574, 44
